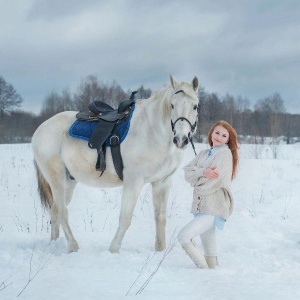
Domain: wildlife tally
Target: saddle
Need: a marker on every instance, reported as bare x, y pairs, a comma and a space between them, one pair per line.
105, 132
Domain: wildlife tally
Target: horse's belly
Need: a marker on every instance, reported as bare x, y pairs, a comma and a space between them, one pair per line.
80, 162
105, 181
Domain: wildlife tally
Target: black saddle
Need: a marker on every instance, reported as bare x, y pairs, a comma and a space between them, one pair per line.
108, 119
98, 110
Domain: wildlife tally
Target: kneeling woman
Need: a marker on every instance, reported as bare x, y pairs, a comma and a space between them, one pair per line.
210, 174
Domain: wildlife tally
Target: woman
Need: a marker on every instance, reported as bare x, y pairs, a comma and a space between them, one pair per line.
210, 173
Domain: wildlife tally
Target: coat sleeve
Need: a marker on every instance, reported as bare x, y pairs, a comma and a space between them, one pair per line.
192, 173
223, 163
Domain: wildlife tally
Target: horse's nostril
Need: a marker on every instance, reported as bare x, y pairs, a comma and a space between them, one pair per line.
175, 140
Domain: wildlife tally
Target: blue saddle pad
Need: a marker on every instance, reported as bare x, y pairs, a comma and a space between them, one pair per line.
83, 129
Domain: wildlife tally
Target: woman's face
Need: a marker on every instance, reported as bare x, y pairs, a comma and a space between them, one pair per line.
220, 136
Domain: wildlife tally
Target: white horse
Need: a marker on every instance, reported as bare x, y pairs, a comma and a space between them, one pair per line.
152, 151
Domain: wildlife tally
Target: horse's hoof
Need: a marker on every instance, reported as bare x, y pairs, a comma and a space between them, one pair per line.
73, 247
114, 249
160, 247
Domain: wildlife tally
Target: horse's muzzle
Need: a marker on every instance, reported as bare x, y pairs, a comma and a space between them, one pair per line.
181, 142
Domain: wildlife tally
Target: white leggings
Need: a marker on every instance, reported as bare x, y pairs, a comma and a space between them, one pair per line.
203, 226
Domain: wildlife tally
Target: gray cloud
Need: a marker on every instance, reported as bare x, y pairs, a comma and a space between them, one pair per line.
247, 48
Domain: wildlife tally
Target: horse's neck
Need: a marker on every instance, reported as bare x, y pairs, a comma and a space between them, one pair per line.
156, 119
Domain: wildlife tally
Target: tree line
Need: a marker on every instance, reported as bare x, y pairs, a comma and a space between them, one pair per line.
268, 118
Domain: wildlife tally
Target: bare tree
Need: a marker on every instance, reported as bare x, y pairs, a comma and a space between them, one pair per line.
55, 103
91, 89
113, 94
272, 111
213, 107
17, 127
230, 108
276, 122
9, 98
143, 93
288, 128
202, 117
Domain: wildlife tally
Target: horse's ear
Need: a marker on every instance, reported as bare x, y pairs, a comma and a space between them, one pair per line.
195, 84
174, 83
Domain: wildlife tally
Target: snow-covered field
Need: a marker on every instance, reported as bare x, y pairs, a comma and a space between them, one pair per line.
259, 249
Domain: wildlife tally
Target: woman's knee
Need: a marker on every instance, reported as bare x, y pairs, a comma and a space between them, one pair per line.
184, 237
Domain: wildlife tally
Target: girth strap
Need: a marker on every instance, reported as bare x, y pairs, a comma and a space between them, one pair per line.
101, 164
116, 154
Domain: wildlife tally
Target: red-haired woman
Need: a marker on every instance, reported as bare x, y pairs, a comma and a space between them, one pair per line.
210, 174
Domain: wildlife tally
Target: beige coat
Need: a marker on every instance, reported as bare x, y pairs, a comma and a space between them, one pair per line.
211, 196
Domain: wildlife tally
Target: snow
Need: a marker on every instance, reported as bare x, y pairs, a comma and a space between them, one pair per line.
259, 249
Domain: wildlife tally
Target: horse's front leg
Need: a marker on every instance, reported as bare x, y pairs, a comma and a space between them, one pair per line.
130, 194
160, 192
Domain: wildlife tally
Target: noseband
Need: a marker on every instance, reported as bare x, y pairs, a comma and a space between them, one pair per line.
193, 127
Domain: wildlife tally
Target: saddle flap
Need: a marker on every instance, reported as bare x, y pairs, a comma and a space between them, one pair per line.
100, 134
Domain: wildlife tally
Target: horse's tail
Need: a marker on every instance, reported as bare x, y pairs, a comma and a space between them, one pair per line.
44, 188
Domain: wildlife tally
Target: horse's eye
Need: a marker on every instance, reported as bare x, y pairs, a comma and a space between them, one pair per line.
195, 107
172, 106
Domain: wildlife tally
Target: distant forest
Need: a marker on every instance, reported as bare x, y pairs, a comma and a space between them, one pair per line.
267, 121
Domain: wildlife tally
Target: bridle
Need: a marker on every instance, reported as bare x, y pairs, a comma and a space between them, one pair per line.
192, 126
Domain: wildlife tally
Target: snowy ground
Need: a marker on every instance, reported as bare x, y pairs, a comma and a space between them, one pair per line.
259, 249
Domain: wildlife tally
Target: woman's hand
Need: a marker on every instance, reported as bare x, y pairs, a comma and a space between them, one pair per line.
211, 173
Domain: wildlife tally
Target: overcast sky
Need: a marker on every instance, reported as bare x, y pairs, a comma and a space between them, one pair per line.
246, 48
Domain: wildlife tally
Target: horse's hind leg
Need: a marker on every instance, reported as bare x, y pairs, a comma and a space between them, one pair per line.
54, 225
160, 192
62, 191
70, 185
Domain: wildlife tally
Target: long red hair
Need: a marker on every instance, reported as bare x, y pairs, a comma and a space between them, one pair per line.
232, 143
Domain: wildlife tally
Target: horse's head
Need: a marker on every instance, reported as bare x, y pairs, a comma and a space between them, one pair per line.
184, 111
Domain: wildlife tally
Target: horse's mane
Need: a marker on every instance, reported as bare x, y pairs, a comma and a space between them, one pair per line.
163, 98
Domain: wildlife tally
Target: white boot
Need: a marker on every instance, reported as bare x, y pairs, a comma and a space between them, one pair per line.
212, 261
196, 255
